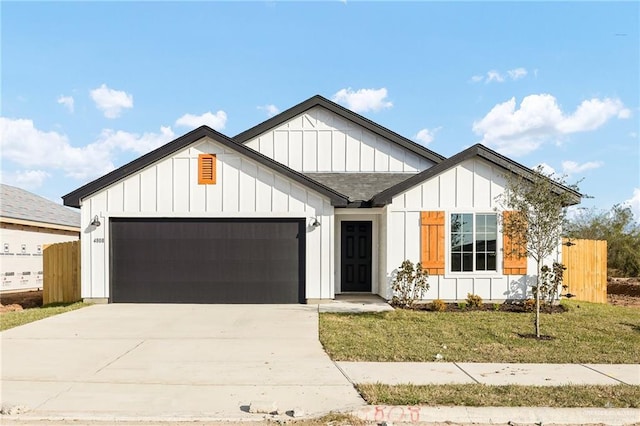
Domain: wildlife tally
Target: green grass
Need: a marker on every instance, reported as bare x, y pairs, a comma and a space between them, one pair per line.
476, 395
586, 333
13, 319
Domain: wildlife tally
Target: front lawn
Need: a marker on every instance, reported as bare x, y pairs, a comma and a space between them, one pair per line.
476, 395
13, 319
586, 333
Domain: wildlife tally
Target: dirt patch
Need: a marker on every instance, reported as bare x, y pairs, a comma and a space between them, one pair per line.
18, 301
624, 292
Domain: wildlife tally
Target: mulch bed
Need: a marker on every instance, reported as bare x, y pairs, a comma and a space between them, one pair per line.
516, 307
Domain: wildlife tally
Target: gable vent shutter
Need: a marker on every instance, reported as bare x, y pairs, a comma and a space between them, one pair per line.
206, 169
514, 262
432, 241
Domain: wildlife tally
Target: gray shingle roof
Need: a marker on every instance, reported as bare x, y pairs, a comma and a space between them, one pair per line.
359, 186
17, 203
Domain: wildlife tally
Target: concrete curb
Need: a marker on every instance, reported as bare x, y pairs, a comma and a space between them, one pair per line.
499, 415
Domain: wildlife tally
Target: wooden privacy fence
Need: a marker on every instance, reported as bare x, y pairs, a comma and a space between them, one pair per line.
61, 270
586, 274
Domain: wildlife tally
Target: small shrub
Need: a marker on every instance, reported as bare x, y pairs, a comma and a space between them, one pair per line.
462, 305
473, 300
529, 304
409, 284
496, 306
438, 305
550, 282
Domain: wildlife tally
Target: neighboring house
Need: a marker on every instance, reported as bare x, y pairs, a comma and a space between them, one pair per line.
313, 202
28, 223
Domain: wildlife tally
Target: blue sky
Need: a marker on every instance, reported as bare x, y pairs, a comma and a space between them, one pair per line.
88, 87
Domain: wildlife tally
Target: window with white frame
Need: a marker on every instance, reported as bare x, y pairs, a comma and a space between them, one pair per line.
473, 238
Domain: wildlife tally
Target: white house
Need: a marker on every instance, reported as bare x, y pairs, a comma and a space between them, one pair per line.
28, 223
311, 203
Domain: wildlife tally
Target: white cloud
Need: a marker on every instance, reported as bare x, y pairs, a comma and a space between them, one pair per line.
270, 109
67, 101
113, 140
517, 73
592, 114
426, 136
111, 102
634, 202
624, 113
494, 75
25, 179
25, 145
216, 121
498, 77
363, 100
572, 168
519, 131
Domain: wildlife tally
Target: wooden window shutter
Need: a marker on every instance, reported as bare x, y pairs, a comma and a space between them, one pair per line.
432, 242
206, 169
513, 260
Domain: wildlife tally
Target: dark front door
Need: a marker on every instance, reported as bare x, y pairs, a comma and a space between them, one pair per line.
356, 256
207, 260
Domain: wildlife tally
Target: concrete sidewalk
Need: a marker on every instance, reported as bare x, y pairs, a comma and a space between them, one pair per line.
427, 373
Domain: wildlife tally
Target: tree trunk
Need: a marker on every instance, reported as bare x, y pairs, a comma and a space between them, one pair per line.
538, 300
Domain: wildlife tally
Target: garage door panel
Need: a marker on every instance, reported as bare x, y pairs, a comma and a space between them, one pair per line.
207, 261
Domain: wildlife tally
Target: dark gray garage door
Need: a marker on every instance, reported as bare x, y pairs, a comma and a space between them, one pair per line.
207, 260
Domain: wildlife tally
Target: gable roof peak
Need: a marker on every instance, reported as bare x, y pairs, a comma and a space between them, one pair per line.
347, 114
74, 198
477, 150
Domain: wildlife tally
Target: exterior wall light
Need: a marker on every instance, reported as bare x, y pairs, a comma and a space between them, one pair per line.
95, 222
315, 222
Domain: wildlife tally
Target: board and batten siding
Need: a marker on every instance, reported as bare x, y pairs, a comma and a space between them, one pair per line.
320, 141
244, 188
469, 187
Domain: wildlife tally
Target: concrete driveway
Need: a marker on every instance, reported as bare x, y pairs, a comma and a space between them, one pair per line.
125, 361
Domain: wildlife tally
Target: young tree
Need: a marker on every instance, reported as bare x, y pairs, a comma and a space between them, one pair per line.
537, 204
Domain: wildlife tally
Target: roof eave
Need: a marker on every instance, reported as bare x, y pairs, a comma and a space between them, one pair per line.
386, 196
74, 198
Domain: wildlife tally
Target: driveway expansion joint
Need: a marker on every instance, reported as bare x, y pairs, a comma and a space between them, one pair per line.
463, 370
605, 374
344, 373
119, 356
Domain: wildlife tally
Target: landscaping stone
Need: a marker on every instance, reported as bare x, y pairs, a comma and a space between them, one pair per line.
263, 407
296, 412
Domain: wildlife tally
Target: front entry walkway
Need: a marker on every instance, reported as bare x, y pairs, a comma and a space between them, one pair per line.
161, 362
355, 303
